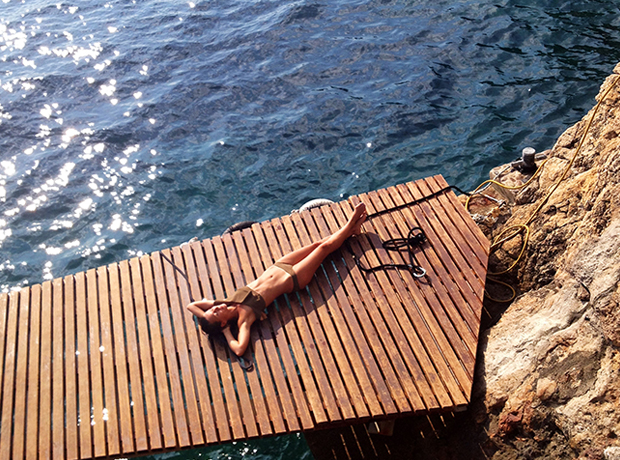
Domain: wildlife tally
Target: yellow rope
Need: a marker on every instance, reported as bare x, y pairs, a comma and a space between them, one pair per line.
525, 227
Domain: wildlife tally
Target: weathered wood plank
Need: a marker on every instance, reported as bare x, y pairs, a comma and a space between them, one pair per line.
441, 297
96, 373
301, 355
109, 416
45, 402
133, 359
120, 357
262, 416
309, 311
475, 255
283, 346
70, 368
432, 309
234, 271
354, 345
412, 297
4, 310
83, 374
8, 384
58, 379
402, 391
336, 346
146, 361
232, 402
269, 340
450, 256
21, 371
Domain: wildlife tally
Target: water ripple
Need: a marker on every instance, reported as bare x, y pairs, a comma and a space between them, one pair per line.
129, 126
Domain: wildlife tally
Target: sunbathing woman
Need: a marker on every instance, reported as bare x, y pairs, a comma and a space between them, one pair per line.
290, 273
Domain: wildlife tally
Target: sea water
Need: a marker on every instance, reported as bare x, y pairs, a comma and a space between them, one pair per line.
131, 126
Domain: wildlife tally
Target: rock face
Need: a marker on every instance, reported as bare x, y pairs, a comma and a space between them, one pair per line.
548, 383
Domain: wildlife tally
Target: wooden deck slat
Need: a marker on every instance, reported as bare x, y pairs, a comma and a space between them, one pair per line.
221, 418
386, 319
58, 379
33, 379
21, 372
269, 344
146, 361
120, 357
320, 341
389, 391
8, 375
4, 309
172, 361
234, 271
96, 373
133, 359
312, 316
178, 321
70, 370
395, 312
109, 362
474, 230
109, 417
45, 401
83, 374
454, 263
167, 417
434, 257
460, 237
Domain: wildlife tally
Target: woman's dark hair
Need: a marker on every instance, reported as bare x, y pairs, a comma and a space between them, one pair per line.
208, 328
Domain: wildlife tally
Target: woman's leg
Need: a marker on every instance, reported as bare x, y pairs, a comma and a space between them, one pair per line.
305, 268
299, 254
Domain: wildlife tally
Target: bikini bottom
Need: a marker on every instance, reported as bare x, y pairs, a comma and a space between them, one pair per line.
288, 268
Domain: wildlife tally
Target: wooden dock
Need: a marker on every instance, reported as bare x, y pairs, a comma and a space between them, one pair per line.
108, 362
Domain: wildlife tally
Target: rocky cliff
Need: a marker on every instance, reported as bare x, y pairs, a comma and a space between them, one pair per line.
548, 381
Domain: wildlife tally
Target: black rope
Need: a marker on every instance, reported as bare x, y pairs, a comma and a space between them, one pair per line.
419, 200
415, 238
181, 272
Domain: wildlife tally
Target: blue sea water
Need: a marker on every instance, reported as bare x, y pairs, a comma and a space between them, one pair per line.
130, 126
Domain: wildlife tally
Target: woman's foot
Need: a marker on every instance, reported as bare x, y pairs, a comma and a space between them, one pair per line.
357, 219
